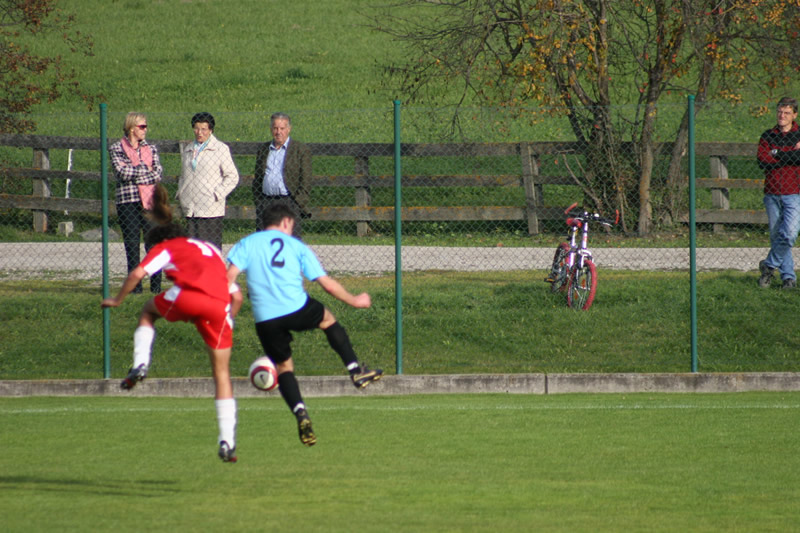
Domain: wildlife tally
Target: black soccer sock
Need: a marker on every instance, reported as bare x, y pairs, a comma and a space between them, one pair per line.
290, 390
340, 342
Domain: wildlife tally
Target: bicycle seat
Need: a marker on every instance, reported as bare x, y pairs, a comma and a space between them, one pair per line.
574, 222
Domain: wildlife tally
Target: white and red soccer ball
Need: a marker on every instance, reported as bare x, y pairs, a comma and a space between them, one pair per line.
263, 374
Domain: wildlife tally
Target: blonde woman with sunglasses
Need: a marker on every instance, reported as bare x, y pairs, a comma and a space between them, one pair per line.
137, 170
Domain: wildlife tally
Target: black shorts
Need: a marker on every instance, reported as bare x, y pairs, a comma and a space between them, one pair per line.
275, 334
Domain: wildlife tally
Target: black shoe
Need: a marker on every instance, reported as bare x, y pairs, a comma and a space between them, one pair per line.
226, 453
137, 290
766, 274
134, 376
364, 377
789, 283
307, 436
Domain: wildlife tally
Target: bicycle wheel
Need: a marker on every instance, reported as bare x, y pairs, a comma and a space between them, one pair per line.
558, 273
582, 286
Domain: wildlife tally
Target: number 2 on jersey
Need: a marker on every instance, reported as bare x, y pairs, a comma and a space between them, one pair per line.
277, 262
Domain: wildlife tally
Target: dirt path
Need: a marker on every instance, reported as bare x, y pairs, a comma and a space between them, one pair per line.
84, 260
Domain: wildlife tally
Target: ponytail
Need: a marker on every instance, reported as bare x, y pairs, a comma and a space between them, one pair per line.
162, 211
165, 228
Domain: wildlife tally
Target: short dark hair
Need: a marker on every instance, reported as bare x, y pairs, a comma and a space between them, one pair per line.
788, 101
273, 215
204, 117
164, 232
280, 116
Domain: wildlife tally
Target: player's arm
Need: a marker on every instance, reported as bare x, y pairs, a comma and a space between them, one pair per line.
233, 273
335, 289
236, 296
130, 283
236, 299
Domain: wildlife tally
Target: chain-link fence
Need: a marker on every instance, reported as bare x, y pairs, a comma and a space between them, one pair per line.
486, 210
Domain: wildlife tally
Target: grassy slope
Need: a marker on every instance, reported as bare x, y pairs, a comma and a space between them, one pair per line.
255, 57
248, 55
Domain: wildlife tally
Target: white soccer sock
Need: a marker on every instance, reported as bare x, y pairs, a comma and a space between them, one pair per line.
142, 345
226, 418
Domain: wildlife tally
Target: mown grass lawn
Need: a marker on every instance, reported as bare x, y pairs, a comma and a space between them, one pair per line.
643, 462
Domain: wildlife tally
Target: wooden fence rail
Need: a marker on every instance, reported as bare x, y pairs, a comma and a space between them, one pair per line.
362, 181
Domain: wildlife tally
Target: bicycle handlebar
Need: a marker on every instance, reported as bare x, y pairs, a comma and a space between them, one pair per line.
593, 217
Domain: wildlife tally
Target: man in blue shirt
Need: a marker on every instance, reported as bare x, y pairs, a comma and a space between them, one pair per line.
276, 264
283, 172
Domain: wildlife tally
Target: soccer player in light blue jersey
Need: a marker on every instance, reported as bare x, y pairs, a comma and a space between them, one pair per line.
276, 264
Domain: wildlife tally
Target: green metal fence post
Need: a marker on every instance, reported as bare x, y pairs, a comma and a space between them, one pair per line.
398, 263
104, 201
692, 235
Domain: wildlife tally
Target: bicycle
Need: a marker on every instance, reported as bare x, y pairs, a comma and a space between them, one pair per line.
573, 267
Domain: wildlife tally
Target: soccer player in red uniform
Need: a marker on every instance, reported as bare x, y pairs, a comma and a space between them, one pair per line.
200, 295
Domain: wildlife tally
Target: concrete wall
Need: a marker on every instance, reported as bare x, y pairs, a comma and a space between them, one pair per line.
320, 386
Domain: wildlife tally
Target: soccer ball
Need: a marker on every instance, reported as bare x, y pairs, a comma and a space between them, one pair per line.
263, 374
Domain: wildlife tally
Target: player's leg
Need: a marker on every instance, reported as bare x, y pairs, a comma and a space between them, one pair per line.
143, 339
220, 368
224, 402
340, 342
212, 320
276, 342
290, 391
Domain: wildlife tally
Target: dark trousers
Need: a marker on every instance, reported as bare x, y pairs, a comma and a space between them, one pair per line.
206, 229
133, 223
263, 202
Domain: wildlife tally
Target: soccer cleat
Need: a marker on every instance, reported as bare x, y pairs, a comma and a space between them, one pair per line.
365, 376
789, 283
766, 274
134, 376
226, 453
307, 436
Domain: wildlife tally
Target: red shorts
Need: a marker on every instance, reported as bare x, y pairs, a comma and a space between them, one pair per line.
210, 316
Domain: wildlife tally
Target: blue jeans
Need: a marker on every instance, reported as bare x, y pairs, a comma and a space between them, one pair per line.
783, 213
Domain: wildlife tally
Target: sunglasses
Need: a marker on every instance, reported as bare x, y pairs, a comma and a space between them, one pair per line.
142, 126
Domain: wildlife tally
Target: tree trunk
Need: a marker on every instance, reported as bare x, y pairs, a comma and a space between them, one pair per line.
676, 181
646, 161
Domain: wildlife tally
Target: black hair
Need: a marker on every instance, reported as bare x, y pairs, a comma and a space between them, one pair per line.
273, 215
204, 117
164, 232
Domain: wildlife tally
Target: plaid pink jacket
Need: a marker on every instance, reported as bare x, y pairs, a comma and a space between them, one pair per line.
129, 177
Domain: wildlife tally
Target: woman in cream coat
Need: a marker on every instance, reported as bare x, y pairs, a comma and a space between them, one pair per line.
208, 176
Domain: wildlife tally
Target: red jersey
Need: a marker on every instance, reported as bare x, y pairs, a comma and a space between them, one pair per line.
781, 169
191, 264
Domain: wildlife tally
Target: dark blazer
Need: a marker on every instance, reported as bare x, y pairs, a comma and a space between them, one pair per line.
296, 171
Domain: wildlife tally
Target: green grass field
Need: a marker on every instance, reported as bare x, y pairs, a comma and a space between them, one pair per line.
572, 463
